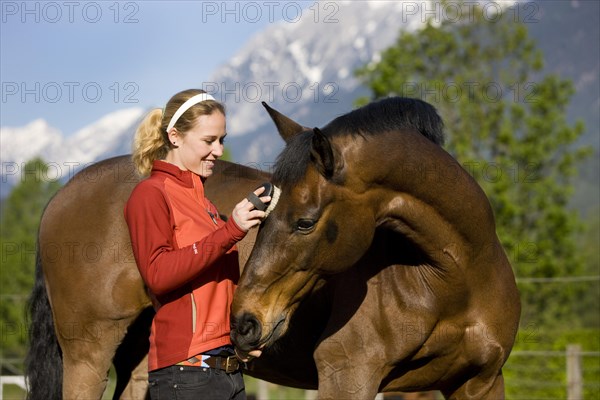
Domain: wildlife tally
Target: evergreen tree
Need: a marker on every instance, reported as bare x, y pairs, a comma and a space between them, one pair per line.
506, 124
21, 212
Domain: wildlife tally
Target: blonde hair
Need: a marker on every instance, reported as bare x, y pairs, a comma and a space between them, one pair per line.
151, 141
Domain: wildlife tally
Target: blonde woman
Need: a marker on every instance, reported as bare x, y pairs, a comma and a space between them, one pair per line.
185, 252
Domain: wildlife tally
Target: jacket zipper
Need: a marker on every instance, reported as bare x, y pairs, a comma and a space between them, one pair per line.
201, 202
212, 217
194, 313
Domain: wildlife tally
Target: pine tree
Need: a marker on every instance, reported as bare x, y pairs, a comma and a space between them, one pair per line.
21, 212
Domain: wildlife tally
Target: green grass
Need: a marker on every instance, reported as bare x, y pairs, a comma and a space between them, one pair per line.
13, 392
274, 392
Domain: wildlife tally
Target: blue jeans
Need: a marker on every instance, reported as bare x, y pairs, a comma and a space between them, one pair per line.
193, 383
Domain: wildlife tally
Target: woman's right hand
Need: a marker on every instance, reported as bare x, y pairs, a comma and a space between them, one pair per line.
245, 215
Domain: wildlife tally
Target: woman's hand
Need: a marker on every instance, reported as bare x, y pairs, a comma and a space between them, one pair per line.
245, 215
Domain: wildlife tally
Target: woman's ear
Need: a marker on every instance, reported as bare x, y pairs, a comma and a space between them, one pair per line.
173, 136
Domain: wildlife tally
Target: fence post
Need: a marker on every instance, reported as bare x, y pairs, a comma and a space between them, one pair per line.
574, 373
263, 390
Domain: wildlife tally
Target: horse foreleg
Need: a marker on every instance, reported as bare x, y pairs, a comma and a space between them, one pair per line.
137, 387
88, 348
131, 359
344, 373
479, 388
488, 356
352, 357
85, 378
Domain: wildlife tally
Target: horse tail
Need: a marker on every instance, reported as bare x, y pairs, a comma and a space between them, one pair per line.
43, 363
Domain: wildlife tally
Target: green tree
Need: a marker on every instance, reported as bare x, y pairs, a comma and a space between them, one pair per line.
505, 122
587, 307
226, 154
21, 213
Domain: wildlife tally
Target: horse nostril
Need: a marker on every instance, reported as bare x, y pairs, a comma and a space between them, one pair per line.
248, 325
247, 329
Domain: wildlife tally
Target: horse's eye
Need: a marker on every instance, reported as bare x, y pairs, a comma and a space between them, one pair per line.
305, 225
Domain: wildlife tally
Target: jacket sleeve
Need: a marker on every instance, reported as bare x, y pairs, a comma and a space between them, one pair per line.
163, 267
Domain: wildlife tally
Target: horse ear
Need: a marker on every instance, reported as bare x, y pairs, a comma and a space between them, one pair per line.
323, 155
287, 127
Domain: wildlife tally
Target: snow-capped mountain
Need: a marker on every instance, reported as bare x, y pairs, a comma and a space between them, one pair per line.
37, 138
305, 69
302, 67
109, 136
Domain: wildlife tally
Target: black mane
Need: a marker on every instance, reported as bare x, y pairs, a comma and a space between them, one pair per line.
389, 114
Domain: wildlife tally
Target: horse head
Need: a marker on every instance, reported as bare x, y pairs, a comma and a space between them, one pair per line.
321, 226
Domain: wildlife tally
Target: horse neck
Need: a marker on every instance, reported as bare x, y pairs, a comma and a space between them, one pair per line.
422, 192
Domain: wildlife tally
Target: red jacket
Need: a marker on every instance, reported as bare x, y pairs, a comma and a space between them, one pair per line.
187, 257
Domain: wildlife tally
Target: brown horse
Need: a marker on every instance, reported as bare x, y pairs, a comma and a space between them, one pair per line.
394, 244
89, 307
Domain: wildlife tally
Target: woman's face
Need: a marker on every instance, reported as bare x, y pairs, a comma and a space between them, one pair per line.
197, 150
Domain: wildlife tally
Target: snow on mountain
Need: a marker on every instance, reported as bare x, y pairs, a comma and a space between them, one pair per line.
101, 139
20, 144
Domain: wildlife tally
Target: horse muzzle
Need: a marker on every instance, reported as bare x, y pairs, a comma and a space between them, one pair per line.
247, 334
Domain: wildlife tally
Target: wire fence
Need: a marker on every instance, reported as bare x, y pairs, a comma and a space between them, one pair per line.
570, 374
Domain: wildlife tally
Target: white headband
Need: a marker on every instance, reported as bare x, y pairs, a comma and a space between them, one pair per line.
185, 106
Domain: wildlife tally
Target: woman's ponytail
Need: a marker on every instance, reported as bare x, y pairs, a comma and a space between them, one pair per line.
149, 143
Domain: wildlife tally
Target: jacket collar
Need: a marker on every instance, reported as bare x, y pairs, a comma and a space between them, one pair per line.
183, 177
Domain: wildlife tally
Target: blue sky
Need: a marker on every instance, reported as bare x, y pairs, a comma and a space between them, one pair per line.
72, 62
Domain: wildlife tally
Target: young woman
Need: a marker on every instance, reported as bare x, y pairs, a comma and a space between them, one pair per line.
185, 252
